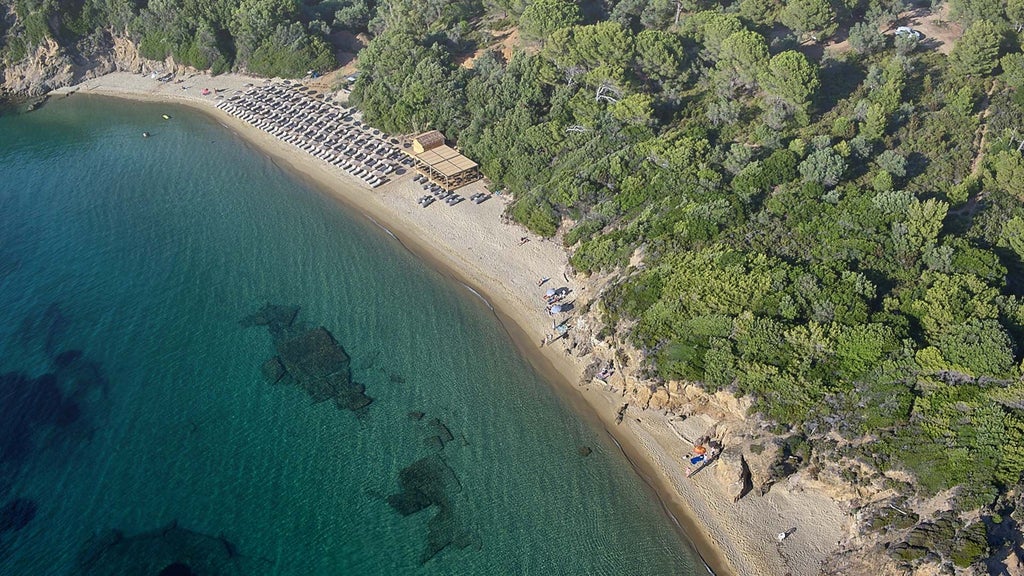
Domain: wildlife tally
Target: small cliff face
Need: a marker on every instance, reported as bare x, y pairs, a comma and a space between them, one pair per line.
44, 69
756, 458
50, 66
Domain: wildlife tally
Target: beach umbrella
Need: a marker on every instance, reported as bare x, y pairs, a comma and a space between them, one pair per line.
550, 292
556, 309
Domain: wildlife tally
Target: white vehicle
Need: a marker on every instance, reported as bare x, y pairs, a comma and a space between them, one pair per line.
908, 31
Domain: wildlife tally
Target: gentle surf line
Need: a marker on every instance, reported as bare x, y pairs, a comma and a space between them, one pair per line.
664, 507
467, 286
386, 229
478, 295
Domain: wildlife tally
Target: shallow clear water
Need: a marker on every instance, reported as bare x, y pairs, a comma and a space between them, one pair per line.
145, 255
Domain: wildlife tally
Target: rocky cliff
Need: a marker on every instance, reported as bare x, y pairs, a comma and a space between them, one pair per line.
896, 531
51, 65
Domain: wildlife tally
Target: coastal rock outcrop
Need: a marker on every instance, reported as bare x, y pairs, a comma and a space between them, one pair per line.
733, 474
54, 63
46, 68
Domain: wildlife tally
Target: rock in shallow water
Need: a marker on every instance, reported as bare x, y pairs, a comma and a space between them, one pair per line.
16, 514
273, 370
442, 431
168, 551
177, 569
431, 482
313, 359
274, 316
313, 355
65, 359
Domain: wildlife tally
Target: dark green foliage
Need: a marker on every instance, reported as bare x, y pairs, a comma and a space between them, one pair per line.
976, 52
946, 537
269, 37
536, 214
290, 53
809, 17
542, 17
865, 38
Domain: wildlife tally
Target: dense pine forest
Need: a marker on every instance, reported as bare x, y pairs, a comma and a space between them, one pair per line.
800, 201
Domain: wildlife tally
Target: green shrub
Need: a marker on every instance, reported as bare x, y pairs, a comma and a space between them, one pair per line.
155, 46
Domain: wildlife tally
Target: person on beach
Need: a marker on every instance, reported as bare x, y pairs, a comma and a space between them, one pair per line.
523, 240
542, 281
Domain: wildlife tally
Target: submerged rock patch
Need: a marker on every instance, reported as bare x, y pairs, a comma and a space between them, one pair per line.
430, 482
310, 358
17, 514
177, 569
30, 404
66, 358
46, 328
168, 551
277, 318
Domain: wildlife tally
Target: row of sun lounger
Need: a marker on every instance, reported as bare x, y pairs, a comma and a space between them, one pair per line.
438, 193
324, 129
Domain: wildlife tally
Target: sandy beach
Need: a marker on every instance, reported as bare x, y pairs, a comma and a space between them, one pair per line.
471, 243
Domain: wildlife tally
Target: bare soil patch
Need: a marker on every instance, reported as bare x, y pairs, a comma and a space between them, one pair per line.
504, 41
938, 32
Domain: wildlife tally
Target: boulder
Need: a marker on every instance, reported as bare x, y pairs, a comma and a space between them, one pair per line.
590, 372
584, 451
732, 473
642, 396
660, 399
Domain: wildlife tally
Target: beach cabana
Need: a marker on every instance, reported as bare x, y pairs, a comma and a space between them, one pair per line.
427, 141
440, 163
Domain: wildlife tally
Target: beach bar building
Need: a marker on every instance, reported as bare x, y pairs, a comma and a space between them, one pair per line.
442, 164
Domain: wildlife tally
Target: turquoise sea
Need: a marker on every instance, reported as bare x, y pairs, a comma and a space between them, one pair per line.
140, 432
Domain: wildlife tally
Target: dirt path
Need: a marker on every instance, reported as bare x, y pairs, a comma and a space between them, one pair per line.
504, 41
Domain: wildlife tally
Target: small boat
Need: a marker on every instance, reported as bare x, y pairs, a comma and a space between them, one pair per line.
166, 117
145, 134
